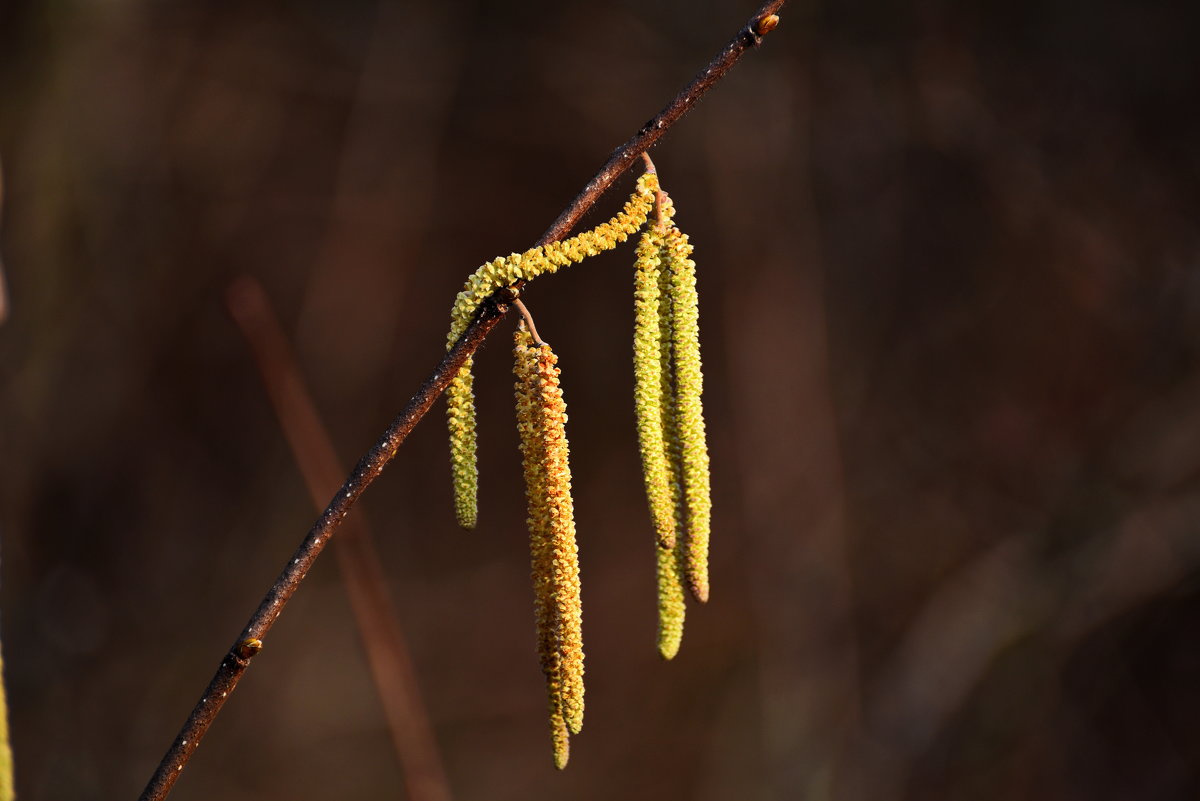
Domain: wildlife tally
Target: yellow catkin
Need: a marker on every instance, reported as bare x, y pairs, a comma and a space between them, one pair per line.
669, 561
460, 417
671, 609
648, 384
689, 386
554, 555
560, 736
505, 271
7, 792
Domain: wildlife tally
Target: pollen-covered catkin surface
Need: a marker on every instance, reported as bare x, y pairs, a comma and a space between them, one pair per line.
648, 384
505, 271
460, 416
671, 607
554, 555
689, 386
669, 562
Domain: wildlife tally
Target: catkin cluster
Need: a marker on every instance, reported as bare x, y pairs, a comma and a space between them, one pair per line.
505, 271
670, 427
541, 420
668, 384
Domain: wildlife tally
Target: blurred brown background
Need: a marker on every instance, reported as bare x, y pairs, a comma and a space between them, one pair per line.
950, 285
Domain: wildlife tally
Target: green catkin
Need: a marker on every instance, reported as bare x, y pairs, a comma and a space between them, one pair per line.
502, 272
460, 416
554, 555
648, 385
671, 608
670, 562
689, 386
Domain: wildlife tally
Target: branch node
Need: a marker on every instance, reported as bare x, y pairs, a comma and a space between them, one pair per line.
249, 647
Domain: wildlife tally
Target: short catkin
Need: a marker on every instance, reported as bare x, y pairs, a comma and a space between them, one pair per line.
506, 271
554, 555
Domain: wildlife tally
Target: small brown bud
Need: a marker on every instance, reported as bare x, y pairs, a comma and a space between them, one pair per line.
766, 24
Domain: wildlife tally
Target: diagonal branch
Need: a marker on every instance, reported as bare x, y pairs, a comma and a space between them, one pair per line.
248, 643
362, 573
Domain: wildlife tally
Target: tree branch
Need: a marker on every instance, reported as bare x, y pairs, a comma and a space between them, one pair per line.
235, 662
362, 573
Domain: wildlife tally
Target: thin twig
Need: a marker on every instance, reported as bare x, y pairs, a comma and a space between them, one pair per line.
378, 622
750, 36
537, 340
660, 197
235, 662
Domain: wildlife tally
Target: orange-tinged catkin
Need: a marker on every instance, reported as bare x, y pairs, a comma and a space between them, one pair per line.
689, 410
554, 555
505, 271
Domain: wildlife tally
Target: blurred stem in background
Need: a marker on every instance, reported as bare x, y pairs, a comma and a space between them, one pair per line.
3, 283
358, 560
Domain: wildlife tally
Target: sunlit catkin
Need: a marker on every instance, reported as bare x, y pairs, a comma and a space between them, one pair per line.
648, 371
689, 386
669, 561
554, 556
460, 416
671, 609
506, 271
7, 792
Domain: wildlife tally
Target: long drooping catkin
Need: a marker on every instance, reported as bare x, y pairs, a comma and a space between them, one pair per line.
504, 272
554, 556
689, 386
648, 371
670, 561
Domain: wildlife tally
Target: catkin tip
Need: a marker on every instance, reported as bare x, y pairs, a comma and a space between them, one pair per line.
671, 609
561, 741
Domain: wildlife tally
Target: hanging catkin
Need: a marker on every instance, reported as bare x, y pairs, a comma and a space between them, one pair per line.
648, 371
689, 410
554, 556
